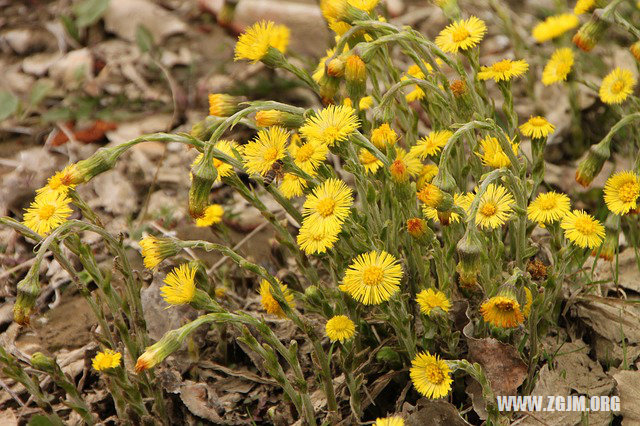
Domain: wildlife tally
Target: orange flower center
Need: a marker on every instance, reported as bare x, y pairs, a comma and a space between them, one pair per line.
538, 122
585, 225
271, 154
489, 209
434, 374
628, 192
326, 207
331, 133
304, 153
547, 203
372, 275
505, 306
617, 87
460, 34
46, 212
502, 66
398, 168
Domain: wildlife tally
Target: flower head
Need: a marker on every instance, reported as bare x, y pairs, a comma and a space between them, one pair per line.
405, 166
155, 250
223, 169
389, 421
223, 105
430, 299
493, 155
537, 127
268, 147
617, 86
503, 70
495, 207
428, 172
370, 162
48, 210
313, 241
309, 156
328, 206
255, 42
340, 328
106, 359
212, 215
558, 67
548, 207
330, 125
372, 278
416, 227
62, 181
584, 6
383, 135
180, 285
430, 375
502, 311
431, 144
461, 35
270, 304
292, 185
431, 195
366, 103
621, 192
554, 26
582, 229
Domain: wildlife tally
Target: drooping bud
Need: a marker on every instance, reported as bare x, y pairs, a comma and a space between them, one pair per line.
155, 250
156, 353
274, 117
204, 175
635, 50
28, 292
335, 67
356, 76
469, 250
590, 32
223, 105
592, 164
102, 160
203, 129
42, 362
611, 240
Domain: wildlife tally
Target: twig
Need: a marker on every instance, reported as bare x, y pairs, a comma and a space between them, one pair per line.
12, 393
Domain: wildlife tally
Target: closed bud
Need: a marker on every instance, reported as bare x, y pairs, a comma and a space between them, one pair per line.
416, 227
635, 50
591, 165
389, 355
610, 244
458, 88
223, 105
328, 88
356, 76
42, 362
156, 353
273, 117
470, 249
102, 160
204, 175
590, 32
203, 129
313, 295
28, 292
335, 67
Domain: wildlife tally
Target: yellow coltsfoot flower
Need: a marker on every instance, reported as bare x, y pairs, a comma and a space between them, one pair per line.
370, 162
548, 207
62, 181
265, 150
340, 328
492, 153
430, 299
314, 241
309, 156
292, 185
330, 125
327, 207
554, 26
503, 70
255, 42
223, 105
383, 135
212, 215
621, 192
617, 86
372, 278
537, 127
270, 304
106, 359
502, 311
582, 229
430, 375
48, 210
389, 421
427, 173
495, 207
180, 285
155, 250
558, 67
431, 144
405, 166
461, 35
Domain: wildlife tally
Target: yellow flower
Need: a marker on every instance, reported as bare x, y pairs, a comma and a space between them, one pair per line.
431, 299
405, 166
255, 42
341, 328
495, 207
366, 5
383, 135
558, 67
554, 26
428, 172
328, 206
268, 147
493, 155
372, 278
309, 156
584, 6
502, 311
548, 207
430, 375
617, 86
431, 195
366, 103
416, 227
461, 35
313, 241
212, 215
369, 161
223, 168
319, 72
292, 185
48, 210
180, 285
223, 105
330, 125
621, 192
582, 229
503, 70
155, 250
389, 421
106, 359
62, 181
270, 304
431, 144
416, 72
537, 127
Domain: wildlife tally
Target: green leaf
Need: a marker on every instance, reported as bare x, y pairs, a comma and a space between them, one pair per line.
89, 12
70, 27
8, 104
40, 91
144, 39
40, 420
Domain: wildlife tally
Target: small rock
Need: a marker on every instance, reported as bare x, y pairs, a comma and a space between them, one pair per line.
124, 16
73, 68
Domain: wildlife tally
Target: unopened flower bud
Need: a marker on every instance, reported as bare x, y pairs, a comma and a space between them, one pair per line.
42, 362
335, 67
591, 165
590, 32
204, 175
274, 117
203, 129
159, 351
155, 250
611, 240
416, 227
469, 250
537, 270
458, 88
356, 76
223, 105
102, 160
635, 50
